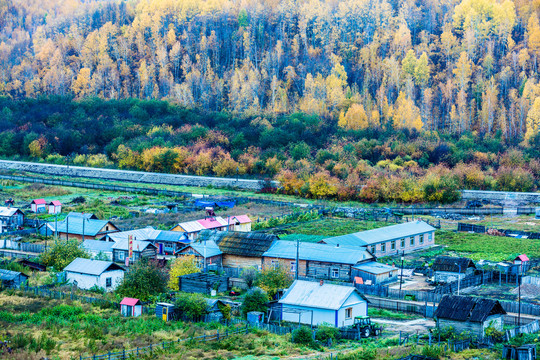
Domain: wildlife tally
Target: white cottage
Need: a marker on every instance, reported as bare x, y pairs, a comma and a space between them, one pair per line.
314, 303
85, 274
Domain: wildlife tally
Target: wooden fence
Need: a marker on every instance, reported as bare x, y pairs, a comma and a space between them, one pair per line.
402, 307
134, 353
53, 294
529, 328
535, 280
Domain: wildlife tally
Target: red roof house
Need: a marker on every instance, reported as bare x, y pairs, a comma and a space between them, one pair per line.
131, 307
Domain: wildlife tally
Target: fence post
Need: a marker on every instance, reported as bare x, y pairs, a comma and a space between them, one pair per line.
123, 353
217, 335
109, 355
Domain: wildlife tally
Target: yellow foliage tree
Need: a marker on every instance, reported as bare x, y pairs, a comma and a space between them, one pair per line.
533, 119
407, 115
355, 118
182, 266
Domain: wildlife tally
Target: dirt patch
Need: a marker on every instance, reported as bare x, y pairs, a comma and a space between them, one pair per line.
412, 326
528, 291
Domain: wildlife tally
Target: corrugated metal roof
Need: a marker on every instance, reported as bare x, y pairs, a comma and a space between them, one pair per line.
137, 245
251, 244
75, 226
148, 233
242, 219
55, 203
386, 233
129, 301
191, 226
318, 252
97, 245
39, 201
376, 268
10, 275
8, 211
80, 214
312, 294
522, 257
91, 267
213, 222
172, 236
211, 248
452, 264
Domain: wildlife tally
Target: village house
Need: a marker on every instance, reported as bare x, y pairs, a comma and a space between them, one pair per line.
166, 242
141, 249
204, 250
469, 314
11, 217
81, 228
318, 261
447, 269
86, 274
38, 205
55, 207
315, 303
240, 249
12, 279
389, 240
371, 273
99, 248
192, 229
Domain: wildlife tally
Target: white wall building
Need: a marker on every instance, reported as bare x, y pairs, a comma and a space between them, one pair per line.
85, 274
314, 303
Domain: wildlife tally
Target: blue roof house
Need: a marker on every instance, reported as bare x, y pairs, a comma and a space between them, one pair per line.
316, 261
389, 240
314, 303
86, 274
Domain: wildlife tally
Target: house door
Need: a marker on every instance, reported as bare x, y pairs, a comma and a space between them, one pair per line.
165, 313
160, 249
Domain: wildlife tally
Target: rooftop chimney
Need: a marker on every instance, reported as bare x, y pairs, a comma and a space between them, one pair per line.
322, 282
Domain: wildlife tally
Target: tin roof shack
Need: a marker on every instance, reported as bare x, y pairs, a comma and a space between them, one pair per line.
12, 279
130, 307
317, 261
102, 249
85, 274
314, 303
523, 262
447, 269
203, 283
55, 207
202, 250
11, 217
82, 228
389, 240
141, 249
466, 313
38, 205
374, 273
240, 249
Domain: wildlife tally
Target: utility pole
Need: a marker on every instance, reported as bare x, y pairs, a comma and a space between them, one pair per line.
83, 228
297, 268
55, 226
67, 227
519, 293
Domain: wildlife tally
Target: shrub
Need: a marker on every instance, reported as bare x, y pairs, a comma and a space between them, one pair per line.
192, 306
144, 279
62, 253
255, 300
273, 279
303, 336
433, 351
182, 266
327, 332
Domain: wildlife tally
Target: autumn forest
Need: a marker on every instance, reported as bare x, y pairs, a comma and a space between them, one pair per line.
369, 100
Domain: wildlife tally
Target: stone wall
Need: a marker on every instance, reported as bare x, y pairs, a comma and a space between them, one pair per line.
129, 176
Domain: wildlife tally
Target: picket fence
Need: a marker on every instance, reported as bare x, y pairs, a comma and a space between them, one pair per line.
136, 352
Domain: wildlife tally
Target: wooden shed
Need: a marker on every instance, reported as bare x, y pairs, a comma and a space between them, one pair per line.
165, 311
447, 269
12, 279
55, 207
203, 283
131, 307
375, 273
466, 313
38, 205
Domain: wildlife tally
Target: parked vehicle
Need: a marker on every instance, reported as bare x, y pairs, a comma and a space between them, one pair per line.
364, 325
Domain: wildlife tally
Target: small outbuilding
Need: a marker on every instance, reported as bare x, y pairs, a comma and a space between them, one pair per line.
55, 207
12, 279
11, 217
314, 303
38, 205
86, 274
374, 273
467, 313
131, 307
165, 311
523, 262
447, 269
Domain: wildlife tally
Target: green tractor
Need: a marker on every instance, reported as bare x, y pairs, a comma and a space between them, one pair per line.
365, 327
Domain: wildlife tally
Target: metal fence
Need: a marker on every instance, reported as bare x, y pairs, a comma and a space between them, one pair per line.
134, 353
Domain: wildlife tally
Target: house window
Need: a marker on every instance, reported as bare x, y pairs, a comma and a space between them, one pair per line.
383, 247
402, 243
108, 282
107, 228
121, 255
412, 240
373, 249
275, 264
421, 239
334, 273
348, 313
393, 245
293, 266
429, 237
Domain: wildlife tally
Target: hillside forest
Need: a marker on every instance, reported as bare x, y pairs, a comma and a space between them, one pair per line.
370, 100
